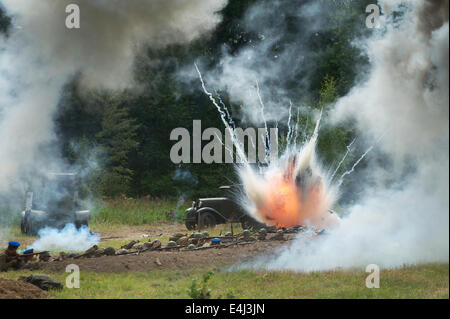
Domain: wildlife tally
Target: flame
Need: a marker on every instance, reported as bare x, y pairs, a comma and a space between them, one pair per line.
293, 193
287, 205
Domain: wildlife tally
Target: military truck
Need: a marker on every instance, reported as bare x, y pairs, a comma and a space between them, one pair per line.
219, 210
54, 202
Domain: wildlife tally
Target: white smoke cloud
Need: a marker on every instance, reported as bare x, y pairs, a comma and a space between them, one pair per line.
41, 54
404, 103
272, 57
67, 239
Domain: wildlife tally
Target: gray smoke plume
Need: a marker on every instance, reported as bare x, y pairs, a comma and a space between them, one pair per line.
400, 108
40, 55
267, 67
111, 32
403, 217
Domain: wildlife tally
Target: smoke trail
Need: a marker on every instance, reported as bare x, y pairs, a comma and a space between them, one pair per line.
341, 179
343, 158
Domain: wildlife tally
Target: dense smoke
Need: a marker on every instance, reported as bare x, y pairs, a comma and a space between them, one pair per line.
403, 217
67, 239
275, 60
400, 109
40, 56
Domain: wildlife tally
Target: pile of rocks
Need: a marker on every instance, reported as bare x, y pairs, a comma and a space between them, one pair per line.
196, 240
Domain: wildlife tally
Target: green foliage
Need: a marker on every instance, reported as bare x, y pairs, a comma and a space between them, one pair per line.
412, 282
142, 211
200, 290
127, 133
116, 139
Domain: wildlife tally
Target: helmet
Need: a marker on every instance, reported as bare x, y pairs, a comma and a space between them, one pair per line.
14, 244
171, 244
246, 232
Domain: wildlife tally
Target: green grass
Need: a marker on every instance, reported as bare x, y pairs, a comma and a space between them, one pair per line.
424, 281
133, 212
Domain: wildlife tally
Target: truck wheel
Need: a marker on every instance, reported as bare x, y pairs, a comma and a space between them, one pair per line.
207, 220
190, 225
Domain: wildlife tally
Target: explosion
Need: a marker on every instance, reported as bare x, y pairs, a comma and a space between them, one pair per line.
293, 191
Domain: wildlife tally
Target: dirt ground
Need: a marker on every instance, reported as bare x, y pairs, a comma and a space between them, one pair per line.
176, 259
16, 289
149, 260
137, 232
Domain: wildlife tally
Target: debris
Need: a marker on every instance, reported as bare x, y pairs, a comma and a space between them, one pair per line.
156, 244
90, 252
193, 241
171, 244
205, 234
99, 252
42, 281
279, 235
45, 256
158, 262
183, 241
294, 229
148, 245
110, 251
62, 256
176, 237
121, 251
262, 234
129, 245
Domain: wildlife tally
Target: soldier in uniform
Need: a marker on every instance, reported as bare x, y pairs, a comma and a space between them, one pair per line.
9, 259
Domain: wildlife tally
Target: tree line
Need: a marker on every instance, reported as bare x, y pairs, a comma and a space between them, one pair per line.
127, 132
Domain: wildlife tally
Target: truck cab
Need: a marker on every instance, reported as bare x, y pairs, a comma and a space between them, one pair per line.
53, 202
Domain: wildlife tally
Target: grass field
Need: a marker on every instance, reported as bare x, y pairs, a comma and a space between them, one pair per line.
424, 281
114, 213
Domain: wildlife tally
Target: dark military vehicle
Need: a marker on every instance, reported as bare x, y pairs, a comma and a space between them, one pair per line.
219, 210
53, 203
